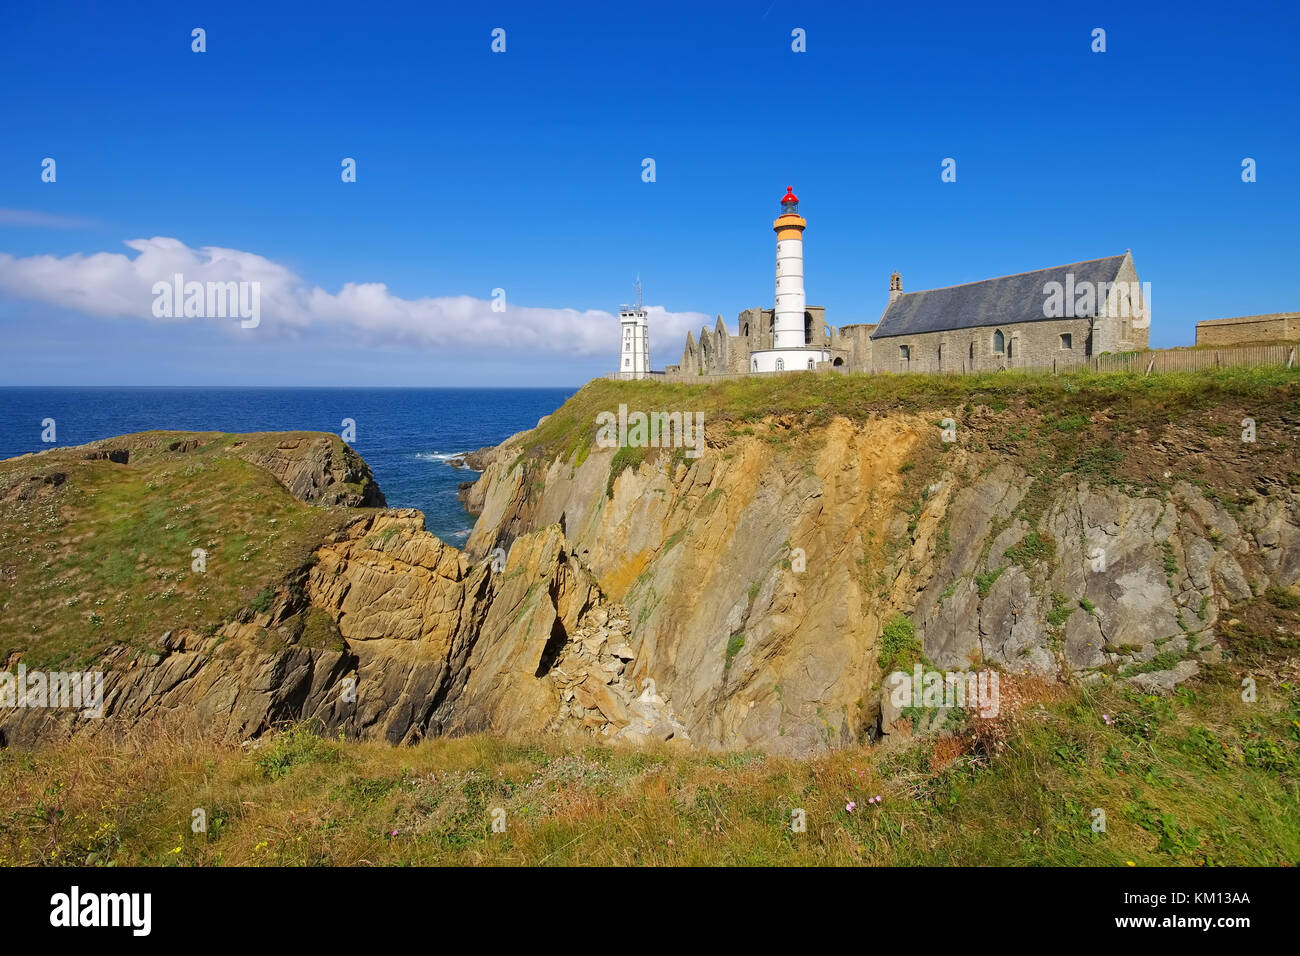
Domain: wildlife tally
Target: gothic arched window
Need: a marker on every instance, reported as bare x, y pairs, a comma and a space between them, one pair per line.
999, 342
780, 365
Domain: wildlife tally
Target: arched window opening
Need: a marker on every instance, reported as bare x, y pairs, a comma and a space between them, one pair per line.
999, 342
812, 363
838, 362
780, 365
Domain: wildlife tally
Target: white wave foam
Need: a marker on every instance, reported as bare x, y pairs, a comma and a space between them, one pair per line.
437, 455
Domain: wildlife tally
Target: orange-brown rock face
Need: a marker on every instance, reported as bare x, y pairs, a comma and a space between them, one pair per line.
741, 571
759, 578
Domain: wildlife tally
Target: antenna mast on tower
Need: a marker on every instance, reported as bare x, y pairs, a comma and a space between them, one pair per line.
638, 292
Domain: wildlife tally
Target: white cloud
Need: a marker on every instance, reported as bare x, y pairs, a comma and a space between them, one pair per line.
113, 285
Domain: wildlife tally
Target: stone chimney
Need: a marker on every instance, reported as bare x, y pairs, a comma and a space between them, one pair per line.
895, 286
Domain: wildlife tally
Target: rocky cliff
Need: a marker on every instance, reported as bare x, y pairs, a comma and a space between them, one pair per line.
1104, 543
739, 599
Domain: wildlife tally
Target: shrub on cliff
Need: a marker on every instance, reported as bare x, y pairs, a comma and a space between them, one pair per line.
898, 644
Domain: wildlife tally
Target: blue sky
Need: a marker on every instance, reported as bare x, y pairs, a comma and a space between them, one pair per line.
522, 171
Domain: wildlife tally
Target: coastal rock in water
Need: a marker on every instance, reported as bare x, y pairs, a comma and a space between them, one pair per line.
476, 460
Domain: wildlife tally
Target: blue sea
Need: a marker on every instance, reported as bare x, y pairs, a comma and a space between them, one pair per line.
406, 435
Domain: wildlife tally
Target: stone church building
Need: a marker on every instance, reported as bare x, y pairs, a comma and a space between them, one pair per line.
1046, 319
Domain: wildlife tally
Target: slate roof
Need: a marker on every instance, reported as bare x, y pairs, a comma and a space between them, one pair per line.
1005, 300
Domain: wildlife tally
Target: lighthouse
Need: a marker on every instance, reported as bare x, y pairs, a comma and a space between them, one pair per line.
789, 227
789, 350
634, 354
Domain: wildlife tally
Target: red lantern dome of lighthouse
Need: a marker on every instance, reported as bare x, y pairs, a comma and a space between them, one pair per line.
789, 224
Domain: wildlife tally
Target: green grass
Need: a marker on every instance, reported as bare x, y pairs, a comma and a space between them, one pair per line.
262, 602
1061, 610
1070, 423
294, 746
1199, 779
1068, 401
1033, 548
107, 557
899, 647
380, 539
628, 456
1283, 599
1170, 561
985, 579
673, 540
320, 632
1161, 662
734, 644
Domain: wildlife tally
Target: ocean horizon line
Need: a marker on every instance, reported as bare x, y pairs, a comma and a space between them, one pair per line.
289, 388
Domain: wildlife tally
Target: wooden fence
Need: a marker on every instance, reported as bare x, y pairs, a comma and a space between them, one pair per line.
1191, 360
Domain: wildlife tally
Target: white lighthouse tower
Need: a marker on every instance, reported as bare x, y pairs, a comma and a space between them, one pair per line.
789, 350
789, 226
634, 354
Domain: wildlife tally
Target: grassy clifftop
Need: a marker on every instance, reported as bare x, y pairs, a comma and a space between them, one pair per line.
1128, 401
97, 542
